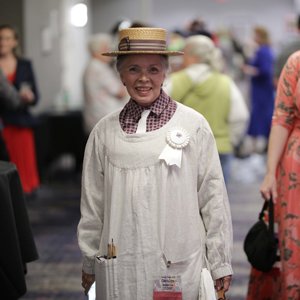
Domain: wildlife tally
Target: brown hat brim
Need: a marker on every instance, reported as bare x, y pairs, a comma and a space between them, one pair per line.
168, 53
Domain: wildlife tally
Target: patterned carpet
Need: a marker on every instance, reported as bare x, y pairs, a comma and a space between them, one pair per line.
54, 216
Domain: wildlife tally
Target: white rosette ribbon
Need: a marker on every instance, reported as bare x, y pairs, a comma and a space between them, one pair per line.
177, 139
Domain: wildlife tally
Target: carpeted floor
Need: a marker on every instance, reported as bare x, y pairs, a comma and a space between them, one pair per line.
54, 216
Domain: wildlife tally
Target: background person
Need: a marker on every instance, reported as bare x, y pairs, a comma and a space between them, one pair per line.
202, 86
155, 207
18, 133
103, 91
282, 182
260, 71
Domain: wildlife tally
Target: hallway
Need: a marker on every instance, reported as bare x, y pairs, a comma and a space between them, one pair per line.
54, 217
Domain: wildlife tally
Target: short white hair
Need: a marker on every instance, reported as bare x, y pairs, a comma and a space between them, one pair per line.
203, 48
97, 41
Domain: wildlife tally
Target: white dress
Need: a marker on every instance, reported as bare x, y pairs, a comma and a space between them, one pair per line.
155, 212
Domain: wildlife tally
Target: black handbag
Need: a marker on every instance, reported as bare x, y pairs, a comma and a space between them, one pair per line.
261, 244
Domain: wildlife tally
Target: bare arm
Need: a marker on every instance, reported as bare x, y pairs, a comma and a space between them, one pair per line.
277, 141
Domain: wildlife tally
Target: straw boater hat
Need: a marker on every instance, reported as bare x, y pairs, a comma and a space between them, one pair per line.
142, 40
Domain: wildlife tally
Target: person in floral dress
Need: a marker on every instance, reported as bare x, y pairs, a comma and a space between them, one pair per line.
282, 182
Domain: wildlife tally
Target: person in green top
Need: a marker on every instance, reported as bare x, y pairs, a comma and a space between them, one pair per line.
202, 86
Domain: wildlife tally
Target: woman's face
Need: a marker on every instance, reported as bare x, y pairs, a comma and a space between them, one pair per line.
8, 41
143, 76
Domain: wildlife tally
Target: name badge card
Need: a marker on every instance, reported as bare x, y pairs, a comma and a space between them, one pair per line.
167, 288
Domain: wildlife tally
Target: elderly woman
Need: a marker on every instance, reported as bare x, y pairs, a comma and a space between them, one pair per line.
103, 91
154, 207
262, 92
202, 86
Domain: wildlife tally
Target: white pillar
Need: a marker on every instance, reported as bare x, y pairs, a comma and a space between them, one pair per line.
74, 56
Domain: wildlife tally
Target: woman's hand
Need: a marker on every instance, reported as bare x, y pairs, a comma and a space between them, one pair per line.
87, 281
27, 96
26, 93
268, 187
250, 70
223, 283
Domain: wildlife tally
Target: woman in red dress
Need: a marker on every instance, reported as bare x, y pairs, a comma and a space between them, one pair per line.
282, 181
17, 133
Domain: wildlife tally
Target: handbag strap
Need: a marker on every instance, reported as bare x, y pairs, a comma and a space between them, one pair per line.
270, 205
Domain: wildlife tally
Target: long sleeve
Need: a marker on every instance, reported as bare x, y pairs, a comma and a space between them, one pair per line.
264, 61
92, 203
25, 73
214, 206
21, 115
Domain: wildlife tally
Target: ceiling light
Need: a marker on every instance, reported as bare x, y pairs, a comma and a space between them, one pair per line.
79, 16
